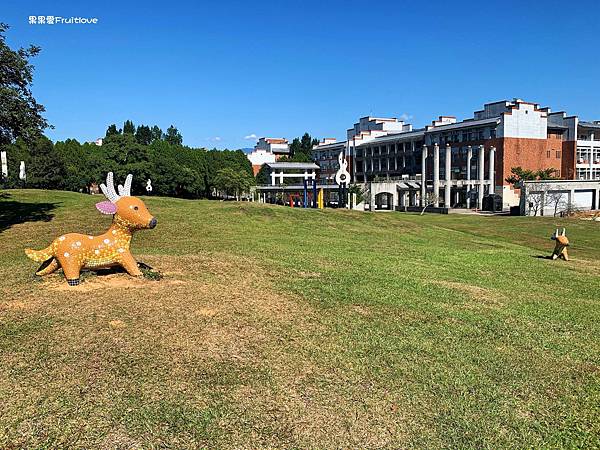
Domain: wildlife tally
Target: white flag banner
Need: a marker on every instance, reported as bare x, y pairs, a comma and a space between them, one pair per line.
4, 164
22, 175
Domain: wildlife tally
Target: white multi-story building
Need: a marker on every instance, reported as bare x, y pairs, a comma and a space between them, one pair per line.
458, 162
268, 150
587, 161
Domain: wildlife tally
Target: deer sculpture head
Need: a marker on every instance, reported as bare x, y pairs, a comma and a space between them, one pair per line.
128, 211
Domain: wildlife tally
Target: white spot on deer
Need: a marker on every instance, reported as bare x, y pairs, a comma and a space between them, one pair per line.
97, 252
114, 231
66, 254
62, 238
90, 237
121, 250
107, 241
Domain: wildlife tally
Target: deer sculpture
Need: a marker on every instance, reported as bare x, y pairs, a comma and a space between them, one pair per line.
75, 251
562, 242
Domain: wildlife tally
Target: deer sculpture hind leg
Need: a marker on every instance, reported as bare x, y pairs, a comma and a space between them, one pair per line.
71, 265
49, 266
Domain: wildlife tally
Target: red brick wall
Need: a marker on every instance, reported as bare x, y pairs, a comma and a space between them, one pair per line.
530, 154
567, 169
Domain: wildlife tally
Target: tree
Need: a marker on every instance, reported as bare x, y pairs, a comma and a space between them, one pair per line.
556, 199
547, 174
76, 159
143, 135
128, 127
20, 114
112, 130
358, 191
431, 198
46, 168
220, 159
173, 136
301, 148
157, 133
519, 174
233, 182
262, 177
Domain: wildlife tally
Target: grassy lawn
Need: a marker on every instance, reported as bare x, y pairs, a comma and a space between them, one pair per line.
279, 327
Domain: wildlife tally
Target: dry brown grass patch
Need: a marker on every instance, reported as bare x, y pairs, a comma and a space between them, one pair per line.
482, 296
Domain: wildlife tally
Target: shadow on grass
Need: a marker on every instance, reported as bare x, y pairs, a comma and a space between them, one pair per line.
13, 212
147, 271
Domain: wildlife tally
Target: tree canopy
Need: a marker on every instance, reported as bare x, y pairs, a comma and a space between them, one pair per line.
519, 174
301, 149
20, 114
175, 170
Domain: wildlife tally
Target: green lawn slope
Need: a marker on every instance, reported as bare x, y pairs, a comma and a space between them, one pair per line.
292, 328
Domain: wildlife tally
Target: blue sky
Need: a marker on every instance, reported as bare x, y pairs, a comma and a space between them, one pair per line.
221, 71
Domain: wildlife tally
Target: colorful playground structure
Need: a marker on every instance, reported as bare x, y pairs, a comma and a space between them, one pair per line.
309, 194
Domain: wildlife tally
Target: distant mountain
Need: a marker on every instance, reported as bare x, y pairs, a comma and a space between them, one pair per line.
247, 150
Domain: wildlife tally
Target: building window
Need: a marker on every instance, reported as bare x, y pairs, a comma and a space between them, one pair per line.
493, 133
557, 154
547, 153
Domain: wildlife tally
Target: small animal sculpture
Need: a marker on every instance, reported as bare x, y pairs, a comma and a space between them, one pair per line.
75, 251
562, 242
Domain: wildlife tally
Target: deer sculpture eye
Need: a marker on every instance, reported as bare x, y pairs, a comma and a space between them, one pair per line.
135, 208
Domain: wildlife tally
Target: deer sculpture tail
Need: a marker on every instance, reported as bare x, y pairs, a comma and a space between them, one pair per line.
40, 255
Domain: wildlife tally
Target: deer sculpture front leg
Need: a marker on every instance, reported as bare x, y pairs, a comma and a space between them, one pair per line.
129, 263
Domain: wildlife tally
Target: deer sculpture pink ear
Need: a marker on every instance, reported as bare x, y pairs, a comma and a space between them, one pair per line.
106, 207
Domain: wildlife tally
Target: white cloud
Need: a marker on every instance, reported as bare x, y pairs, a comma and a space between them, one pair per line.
405, 116
251, 137
214, 139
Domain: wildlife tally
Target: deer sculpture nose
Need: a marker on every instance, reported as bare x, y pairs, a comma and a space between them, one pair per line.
152, 223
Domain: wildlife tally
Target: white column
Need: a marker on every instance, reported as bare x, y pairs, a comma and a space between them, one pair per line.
436, 174
423, 175
491, 169
469, 156
570, 198
448, 168
273, 178
598, 199
372, 202
481, 179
